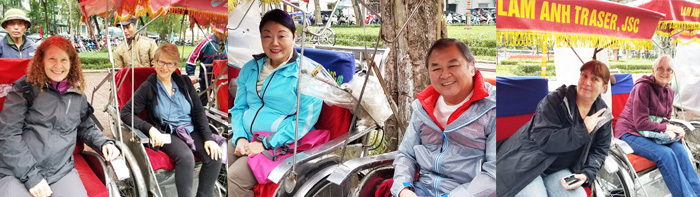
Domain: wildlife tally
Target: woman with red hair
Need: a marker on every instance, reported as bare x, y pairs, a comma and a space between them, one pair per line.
37, 136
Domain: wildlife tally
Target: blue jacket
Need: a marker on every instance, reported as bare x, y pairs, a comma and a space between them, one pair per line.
459, 160
274, 109
9, 50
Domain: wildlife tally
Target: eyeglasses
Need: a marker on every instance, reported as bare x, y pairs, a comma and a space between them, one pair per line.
163, 63
668, 70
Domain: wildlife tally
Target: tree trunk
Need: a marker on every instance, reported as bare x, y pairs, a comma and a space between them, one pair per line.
70, 18
317, 12
405, 71
46, 15
468, 15
359, 18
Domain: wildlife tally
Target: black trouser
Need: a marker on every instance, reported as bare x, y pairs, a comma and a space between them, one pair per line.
184, 166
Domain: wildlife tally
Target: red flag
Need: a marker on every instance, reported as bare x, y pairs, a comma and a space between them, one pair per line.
41, 32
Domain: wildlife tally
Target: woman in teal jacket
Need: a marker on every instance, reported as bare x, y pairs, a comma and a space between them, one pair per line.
266, 100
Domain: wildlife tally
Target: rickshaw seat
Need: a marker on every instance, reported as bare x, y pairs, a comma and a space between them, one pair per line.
124, 92
517, 101
340, 65
158, 159
87, 166
620, 93
11, 71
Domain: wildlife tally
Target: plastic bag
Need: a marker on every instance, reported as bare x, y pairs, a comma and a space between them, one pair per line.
317, 82
374, 101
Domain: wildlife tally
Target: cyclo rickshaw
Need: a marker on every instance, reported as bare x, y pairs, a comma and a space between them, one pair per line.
622, 173
151, 172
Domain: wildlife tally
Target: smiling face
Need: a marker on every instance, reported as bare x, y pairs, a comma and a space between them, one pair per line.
165, 67
277, 42
590, 86
451, 74
663, 71
56, 64
16, 28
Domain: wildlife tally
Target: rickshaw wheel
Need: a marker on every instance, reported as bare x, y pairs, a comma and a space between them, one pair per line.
328, 38
127, 188
612, 184
325, 188
220, 185
381, 173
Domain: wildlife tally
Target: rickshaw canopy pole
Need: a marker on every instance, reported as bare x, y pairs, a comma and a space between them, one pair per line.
146, 25
242, 18
207, 38
370, 9
572, 49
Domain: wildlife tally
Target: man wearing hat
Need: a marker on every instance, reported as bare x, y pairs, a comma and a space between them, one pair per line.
143, 48
211, 48
15, 44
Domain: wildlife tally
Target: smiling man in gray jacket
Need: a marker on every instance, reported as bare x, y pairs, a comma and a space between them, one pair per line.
451, 139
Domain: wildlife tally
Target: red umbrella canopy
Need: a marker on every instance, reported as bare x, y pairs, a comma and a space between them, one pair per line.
686, 37
563, 23
203, 12
680, 15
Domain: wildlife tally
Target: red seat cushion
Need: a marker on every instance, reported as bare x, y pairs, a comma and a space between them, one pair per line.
640, 163
93, 185
265, 190
508, 125
160, 160
334, 119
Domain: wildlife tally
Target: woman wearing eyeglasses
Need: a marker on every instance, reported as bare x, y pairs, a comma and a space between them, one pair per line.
651, 101
173, 108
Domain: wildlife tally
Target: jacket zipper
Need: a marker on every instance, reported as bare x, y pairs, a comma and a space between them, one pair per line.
68, 107
443, 148
261, 100
20, 49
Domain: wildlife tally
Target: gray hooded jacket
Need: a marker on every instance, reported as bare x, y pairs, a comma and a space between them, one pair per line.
38, 143
459, 161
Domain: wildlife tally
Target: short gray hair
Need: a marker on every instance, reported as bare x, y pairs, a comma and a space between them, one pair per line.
666, 58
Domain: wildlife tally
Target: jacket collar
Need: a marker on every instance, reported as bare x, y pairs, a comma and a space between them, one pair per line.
428, 99
25, 42
71, 88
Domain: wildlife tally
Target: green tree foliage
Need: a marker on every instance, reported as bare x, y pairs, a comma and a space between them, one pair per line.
168, 26
36, 15
8, 4
42, 12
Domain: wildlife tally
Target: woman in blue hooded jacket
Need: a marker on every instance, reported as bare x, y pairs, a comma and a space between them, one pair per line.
266, 100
